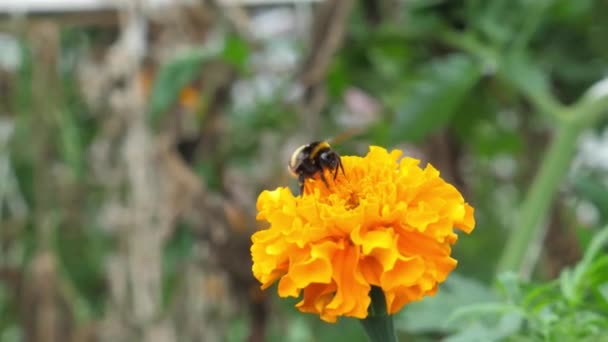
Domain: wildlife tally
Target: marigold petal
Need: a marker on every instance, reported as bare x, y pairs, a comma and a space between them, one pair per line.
421, 216
400, 296
444, 267
380, 244
406, 272
288, 288
468, 221
316, 297
371, 240
351, 297
371, 269
316, 269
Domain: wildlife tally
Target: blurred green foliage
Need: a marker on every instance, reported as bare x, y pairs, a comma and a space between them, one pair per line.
570, 308
491, 75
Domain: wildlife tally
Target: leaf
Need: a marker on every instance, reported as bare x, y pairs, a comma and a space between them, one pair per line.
540, 296
508, 324
521, 71
569, 10
567, 284
86, 272
71, 142
236, 52
457, 292
207, 170
572, 281
171, 78
434, 98
488, 139
510, 286
177, 249
594, 190
338, 78
387, 53
603, 290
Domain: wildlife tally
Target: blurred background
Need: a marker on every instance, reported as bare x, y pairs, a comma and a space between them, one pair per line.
135, 137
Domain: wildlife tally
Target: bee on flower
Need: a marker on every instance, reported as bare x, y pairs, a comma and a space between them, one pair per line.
382, 222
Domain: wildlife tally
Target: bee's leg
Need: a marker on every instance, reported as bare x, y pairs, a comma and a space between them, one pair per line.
340, 167
323, 179
301, 182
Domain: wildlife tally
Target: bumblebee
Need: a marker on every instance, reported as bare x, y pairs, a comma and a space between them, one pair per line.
313, 158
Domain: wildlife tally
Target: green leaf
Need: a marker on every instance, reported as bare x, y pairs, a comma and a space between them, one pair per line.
572, 281
603, 290
171, 78
457, 292
338, 78
176, 251
594, 190
387, 53
236, 52
508, 323
510, 286
597, 282
434, 98
567, 284
521, 71
488, 139
71, 143
568, 10
539, 296
85, 272
473, 111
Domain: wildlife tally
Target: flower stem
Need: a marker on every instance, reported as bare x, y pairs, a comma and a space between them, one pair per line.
379, 324
534, 208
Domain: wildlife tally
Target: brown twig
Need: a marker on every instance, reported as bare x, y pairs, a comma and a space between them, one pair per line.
328, 32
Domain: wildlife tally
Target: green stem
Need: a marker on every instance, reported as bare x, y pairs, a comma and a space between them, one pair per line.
593, 106
379, 324
534, 208
571, 121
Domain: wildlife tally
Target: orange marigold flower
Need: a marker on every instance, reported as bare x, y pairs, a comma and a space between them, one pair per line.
386, 222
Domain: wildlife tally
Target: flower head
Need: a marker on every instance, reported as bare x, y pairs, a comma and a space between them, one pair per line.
385, 222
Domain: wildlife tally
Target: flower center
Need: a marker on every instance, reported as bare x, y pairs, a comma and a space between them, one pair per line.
353, 200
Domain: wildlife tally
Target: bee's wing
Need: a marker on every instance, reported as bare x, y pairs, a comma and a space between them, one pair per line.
345, 135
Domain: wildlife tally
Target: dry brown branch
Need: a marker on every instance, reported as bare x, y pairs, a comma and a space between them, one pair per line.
135, 272
45, 312
328, 32
161, 188
235, 15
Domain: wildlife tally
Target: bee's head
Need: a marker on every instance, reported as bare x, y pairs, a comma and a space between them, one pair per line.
329, 159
